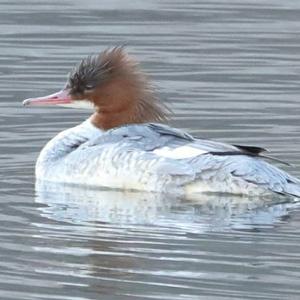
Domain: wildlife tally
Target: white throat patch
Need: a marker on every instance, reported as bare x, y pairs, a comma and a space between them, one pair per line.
81, 104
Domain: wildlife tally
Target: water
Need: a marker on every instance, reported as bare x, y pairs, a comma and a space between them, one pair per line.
230, 71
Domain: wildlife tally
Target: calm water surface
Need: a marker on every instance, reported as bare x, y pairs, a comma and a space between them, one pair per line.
230, 71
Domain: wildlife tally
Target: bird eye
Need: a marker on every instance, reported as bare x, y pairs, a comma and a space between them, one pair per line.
89, 87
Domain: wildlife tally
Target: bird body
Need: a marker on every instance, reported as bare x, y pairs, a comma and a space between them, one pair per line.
124, 144
156, 157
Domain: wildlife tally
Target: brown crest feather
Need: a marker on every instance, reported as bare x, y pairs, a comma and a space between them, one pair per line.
122, 93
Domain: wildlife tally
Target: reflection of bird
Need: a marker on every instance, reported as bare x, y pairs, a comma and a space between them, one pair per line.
81, 204
117, 147
75, 204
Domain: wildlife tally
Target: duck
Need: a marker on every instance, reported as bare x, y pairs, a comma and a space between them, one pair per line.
127, 144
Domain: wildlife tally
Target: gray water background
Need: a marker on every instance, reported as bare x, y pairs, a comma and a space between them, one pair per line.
230, 72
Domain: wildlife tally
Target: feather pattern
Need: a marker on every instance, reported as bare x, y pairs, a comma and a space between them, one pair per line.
156, 157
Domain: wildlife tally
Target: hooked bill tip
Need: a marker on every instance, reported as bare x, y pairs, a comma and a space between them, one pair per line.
26, 102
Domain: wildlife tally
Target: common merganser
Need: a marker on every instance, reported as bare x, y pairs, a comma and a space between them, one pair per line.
125, 145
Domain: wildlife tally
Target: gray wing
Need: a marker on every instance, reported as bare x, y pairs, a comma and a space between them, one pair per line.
153, 135
241, 172
218, 162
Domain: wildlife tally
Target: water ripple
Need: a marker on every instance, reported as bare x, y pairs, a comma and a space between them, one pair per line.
230, 71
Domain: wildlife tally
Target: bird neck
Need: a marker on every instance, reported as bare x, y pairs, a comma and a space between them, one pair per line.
110, 119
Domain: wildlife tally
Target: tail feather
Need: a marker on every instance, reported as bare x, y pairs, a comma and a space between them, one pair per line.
292, 189
249, 175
